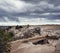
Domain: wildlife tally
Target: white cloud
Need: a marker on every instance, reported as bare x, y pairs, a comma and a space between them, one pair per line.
6, 19
37, 21
57, 20
55, 13
13, 5
45, 14
31, 21
19, 6
57, 7
45, 5
50, 14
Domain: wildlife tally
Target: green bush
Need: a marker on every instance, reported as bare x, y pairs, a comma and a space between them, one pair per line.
5, 38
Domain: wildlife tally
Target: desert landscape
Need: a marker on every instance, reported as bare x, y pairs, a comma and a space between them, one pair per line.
35, 38
29, 26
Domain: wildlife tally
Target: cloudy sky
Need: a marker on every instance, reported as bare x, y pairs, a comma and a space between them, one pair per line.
22, 12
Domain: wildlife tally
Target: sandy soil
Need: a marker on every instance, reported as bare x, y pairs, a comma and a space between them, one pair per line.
53, 47
18, 47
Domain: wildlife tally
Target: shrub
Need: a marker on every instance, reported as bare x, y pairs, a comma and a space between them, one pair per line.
5, 38
19, 27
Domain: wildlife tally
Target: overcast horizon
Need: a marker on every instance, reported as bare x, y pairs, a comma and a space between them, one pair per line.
32, 12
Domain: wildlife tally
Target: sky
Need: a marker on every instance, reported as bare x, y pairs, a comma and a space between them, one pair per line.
33, 12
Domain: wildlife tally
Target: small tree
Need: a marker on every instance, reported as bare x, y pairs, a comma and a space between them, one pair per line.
37, 30
18, 27
28, 26
5, 38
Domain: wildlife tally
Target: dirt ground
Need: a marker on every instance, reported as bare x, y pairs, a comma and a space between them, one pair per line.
53, 47
18, 47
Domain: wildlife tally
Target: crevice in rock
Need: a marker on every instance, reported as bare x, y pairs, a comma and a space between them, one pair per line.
45, 41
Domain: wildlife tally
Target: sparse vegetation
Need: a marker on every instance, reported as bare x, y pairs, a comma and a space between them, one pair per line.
5, 38
37, 30
28, 26
18, 27
34, 35
27, 34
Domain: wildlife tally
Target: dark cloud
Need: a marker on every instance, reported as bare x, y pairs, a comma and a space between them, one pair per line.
31, 9
2, 20
56, 2
32, 1
54, 17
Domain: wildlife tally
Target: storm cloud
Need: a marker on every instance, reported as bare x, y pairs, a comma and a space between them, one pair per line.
29, 11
